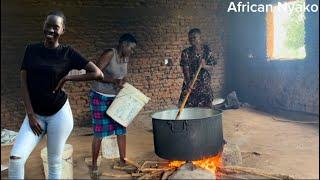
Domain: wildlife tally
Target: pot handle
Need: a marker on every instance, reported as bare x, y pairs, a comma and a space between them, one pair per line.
184, 127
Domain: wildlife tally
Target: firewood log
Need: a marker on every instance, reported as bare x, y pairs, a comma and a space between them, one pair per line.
151, 175
166, 174
156, 169
115, 175
238, 169
132, 163
137, 174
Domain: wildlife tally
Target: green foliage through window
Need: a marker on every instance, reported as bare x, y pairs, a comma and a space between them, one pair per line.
290, 29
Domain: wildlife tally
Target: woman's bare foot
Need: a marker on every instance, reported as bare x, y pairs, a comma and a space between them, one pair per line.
94, 173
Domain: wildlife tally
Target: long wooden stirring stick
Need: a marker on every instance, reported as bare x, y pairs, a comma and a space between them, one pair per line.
189, 92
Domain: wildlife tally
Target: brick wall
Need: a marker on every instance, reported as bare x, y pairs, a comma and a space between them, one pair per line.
272, 85
160, 26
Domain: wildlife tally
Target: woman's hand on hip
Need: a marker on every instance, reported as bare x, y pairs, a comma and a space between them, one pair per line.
60, 84
34, 125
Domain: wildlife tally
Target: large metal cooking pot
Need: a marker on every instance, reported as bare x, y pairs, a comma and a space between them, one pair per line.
196, 135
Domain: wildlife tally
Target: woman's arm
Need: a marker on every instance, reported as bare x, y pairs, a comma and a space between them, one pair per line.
34, 125
187, 80
92, 73
185, 65
186, 74
205, 66
209, 62
25, 92
103, 62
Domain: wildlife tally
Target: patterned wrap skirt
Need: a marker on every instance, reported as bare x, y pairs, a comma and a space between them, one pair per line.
102, 124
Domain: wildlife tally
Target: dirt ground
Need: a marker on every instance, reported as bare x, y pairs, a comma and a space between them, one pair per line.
288, 148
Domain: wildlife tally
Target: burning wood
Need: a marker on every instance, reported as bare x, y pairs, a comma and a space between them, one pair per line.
210, 163
176, 164
148, 170
156, 169
153, 164
191, 171
209, 168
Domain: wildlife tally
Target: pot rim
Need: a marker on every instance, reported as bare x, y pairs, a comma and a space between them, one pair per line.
156, 115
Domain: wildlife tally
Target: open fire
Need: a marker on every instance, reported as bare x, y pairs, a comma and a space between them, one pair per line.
209, 164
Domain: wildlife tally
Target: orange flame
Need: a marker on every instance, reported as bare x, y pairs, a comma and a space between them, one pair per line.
176, 164
209, 164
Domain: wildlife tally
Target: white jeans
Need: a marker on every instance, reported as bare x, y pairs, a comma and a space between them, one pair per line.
58, 128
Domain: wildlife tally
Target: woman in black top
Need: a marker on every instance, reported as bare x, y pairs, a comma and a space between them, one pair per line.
44, 71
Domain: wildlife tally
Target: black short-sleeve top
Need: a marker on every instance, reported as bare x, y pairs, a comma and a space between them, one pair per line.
45, 68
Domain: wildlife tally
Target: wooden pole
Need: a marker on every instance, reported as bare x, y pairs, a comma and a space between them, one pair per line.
189, 92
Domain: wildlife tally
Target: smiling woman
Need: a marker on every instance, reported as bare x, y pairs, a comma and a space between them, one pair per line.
44, 71
54, 27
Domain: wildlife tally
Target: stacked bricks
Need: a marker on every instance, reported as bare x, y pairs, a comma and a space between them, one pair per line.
161, 29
